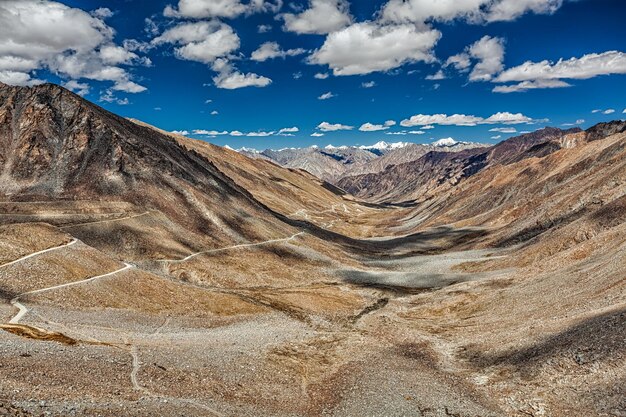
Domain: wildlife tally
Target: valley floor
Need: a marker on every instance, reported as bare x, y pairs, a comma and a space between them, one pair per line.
297, 325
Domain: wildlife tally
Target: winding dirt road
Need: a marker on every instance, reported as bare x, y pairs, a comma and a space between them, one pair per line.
244, 245
23, 310
73, 241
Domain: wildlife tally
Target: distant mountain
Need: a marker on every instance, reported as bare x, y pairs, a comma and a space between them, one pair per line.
415, 178
334, 162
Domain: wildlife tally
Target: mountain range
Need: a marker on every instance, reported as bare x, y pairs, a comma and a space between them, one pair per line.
332, 163
147, 273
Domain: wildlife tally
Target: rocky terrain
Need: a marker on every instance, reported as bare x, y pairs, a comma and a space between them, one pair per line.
332, 163
144, 273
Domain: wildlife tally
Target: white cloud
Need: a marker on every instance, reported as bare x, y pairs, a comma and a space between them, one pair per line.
328, 127
82, 89
474, 11
288, 130
367, 47
368, 84
236, 133
234, 80
180, 132
488, 52
596, 111
109, 97
297, 75
576, 123
214, 113
609, 111
67, 41
326, 96
460, 62
369, 127
490, 55
229, 78
200, 41
427, 127
530, 85
587, 66
465, 120
264, 28
441, 119
259, 134
198, 9
504, 129
102, 13
271, 50
210, 132
322, 16
317, 134
496, 137
507, 118
439, 75
321, 76
211, 43
416, 132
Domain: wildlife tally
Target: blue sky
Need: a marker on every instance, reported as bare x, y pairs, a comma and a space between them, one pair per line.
184, 65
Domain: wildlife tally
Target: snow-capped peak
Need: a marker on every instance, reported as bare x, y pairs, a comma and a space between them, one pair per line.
382, 145
445, 142
249, 150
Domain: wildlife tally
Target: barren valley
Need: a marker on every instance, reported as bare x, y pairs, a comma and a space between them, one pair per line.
146, 273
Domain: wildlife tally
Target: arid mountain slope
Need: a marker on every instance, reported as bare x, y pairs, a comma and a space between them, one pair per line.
143, 273
415, 179
57, 146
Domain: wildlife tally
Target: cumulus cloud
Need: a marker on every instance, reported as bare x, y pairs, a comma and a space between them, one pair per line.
198, 9
322, 16
530, 85
211, 133
488, 55
271, 50
321, 76
82, 89
259, 134
180, 132
264, 28
473, 11
367, 47
211, 43
200, 41
288, 130
102, 13
504, 129
67, 41
368, 84
369, 127
465, 120
439, 75
547, 74
317, 134
327, 96
461, 62
576, 123
329, 127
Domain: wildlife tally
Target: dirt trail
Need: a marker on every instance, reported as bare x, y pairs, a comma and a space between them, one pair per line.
22, 309
73, 241
244, 245
106, 221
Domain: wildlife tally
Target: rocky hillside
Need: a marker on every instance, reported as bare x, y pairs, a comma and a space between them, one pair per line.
415, 179
332, 163
56, 146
